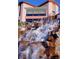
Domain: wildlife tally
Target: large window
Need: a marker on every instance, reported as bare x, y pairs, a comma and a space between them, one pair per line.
39, 11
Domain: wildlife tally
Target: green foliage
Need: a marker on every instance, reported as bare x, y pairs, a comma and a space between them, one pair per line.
21, 23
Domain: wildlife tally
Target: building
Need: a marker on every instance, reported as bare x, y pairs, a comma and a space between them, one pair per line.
31, 12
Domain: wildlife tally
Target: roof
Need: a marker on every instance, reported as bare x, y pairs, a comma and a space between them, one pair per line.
27, 3
33, 2
37, 3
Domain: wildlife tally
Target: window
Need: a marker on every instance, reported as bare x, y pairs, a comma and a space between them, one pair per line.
32, 20
35, 14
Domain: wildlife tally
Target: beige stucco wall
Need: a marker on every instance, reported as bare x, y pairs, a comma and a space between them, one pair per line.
52, 7
23, 11
56, 10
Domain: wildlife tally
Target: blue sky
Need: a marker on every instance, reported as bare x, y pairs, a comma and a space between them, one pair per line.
37, 2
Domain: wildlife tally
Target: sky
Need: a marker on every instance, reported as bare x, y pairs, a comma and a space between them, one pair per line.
37, 2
